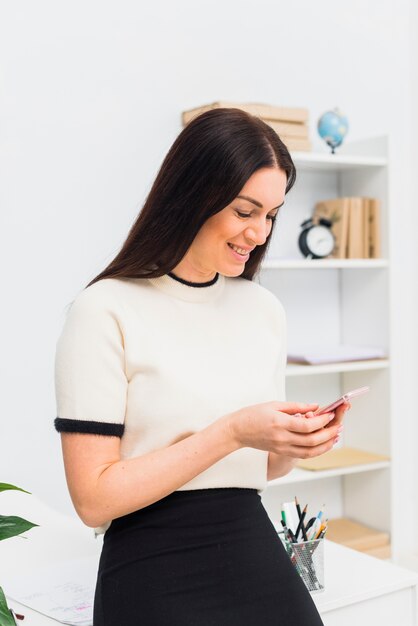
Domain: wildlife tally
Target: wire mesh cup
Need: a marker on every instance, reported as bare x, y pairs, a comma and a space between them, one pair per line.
308, 558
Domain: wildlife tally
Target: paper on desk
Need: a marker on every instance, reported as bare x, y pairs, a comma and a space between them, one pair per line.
318, 355
64, 591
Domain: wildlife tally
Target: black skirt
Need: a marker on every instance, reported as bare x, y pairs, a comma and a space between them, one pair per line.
207, 557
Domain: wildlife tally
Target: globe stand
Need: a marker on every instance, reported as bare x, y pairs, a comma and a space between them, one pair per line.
333, 145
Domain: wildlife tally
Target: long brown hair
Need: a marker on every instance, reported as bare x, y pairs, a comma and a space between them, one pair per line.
205, 169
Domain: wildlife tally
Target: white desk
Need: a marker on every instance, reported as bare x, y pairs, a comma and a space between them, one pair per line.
359, 589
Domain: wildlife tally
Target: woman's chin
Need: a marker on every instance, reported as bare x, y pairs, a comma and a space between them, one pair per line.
231, 272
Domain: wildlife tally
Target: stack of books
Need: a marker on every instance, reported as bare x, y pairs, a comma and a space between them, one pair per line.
290, 123
355, 225
340, 458
359, 537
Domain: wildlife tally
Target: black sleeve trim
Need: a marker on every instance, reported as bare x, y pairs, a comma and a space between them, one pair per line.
64, 425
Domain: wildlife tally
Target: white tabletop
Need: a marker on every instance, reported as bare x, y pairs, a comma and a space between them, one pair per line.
350, 576
58, 538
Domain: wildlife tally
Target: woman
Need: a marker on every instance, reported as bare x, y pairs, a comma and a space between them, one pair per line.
170, 391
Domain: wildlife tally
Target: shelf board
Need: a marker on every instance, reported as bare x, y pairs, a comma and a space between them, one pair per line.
309, 264
335, 368
334, 162
299, 475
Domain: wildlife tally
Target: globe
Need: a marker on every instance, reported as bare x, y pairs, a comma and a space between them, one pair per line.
333, 127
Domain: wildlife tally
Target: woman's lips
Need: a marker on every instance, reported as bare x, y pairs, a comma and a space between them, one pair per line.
239, 257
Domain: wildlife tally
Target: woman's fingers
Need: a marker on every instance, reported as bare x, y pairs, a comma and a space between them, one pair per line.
300, 452
296, 408
340, 412
308, 424
316, 438
311, 435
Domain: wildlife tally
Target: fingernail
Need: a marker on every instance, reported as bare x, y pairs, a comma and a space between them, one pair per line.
340, 430
331, 416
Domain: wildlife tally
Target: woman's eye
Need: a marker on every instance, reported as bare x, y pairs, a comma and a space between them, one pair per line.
269, 217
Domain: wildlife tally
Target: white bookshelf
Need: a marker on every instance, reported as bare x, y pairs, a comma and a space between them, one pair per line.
336, 368
321, 264
301, 476
339, 301
338, 162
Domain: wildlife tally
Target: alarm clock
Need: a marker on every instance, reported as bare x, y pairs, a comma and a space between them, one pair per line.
316, 241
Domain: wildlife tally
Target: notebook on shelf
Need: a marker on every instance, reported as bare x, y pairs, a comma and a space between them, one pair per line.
319, 355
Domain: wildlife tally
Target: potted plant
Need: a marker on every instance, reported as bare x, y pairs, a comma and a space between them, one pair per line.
10, 526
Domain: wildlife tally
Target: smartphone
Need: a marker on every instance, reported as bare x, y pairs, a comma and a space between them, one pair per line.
346, 397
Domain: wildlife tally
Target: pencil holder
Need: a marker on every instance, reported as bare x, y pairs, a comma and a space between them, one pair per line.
308, 558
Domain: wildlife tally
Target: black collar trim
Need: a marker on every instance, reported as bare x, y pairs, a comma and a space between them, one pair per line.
190, 284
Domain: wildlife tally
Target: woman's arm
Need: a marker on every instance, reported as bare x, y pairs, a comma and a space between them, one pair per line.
279, 465
104, 487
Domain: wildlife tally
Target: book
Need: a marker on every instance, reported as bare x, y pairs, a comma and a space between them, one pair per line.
355, 244
265, 111
289, 129
366, 228
382, 552
340, 457
374, 228
356, 536
336, 210
296, 144
321, 354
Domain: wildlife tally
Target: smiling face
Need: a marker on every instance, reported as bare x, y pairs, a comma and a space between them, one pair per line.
224, 242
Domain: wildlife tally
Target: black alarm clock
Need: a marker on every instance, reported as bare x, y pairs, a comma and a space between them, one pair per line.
316, 241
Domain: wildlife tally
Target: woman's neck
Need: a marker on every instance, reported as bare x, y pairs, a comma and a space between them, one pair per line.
186, 272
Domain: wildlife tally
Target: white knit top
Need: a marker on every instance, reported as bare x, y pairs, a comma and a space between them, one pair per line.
152, 360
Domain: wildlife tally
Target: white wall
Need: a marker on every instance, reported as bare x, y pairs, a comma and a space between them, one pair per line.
91, 96
413, 367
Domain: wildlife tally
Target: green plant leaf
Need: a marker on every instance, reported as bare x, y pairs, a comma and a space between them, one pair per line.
10, 526
6, 618
6, 487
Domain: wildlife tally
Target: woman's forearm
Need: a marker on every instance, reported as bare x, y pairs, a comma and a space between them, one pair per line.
279, 465
130, 484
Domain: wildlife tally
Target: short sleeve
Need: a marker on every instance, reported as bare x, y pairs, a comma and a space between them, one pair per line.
90, 380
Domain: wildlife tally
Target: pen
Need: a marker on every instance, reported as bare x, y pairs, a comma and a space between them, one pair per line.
309, 524
289, 532
284, 517
316, 524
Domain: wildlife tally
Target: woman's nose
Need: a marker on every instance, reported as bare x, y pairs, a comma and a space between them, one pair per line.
258, 234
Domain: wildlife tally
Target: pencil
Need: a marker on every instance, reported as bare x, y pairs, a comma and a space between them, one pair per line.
301, 527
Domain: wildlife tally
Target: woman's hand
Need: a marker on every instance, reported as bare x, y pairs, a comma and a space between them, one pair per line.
340, 412
275, 427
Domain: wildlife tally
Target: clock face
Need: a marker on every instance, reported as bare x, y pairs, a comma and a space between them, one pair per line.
320, 241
